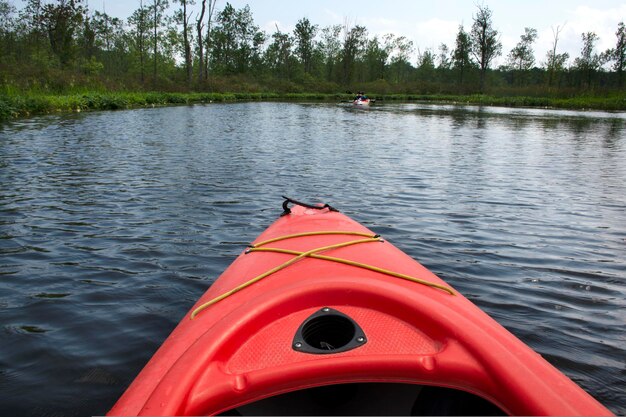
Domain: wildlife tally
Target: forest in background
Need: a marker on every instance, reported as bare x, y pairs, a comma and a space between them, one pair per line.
63, 47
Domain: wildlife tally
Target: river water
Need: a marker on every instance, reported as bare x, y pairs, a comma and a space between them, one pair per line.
112, 224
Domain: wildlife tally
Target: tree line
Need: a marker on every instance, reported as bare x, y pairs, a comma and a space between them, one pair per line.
60, 45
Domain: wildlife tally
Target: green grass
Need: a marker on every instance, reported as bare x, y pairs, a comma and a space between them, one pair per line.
615, 102
16, 105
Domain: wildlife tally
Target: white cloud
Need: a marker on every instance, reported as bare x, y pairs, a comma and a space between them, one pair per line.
270, 27
333, 16
433, 32
579, 20
425, 34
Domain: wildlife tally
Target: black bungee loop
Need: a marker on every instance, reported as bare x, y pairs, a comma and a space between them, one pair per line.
287, 210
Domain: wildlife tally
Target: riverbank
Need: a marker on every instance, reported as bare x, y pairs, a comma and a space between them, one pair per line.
18, 106
615, 102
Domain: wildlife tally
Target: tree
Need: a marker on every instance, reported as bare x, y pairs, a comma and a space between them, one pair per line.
354, 42
6, 26
203, 44
236, 41
32, 22
588, 62
104, 27
88, 37
485, 41
304, 34
158, 8
258, 39
208, 44
426, 65
444, 57
171, 46
139, 21
200, 45
522, 57
182, 18
111, 43
60, 21
7, 10
400, 49
618, 55
330, 49
376, 56
461, 60
278, 54
55, 43
224, 40
555, 62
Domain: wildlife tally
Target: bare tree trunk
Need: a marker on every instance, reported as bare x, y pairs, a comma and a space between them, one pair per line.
552, 64
187, 47
199, 28
155, 42
141, 45
346, 58
208, 38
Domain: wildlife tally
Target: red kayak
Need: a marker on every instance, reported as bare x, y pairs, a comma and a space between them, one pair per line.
322, 316
361, 102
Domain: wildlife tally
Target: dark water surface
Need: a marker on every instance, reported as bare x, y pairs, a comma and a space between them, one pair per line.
113, 224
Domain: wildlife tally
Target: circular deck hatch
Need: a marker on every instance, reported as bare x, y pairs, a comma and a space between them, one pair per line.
328, 331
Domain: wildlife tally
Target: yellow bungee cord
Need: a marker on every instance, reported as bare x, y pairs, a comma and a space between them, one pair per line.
314, 253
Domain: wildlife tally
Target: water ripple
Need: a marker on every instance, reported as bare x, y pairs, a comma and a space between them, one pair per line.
113, 224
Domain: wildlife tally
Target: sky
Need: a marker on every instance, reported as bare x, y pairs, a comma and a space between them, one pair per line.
431, 23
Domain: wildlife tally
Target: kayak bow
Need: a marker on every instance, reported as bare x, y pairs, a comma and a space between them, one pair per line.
321, 316
361, 102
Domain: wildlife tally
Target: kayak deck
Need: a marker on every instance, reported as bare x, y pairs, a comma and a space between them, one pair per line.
321, 333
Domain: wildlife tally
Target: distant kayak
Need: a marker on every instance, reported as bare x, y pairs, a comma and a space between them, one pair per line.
361, 102
321, 316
